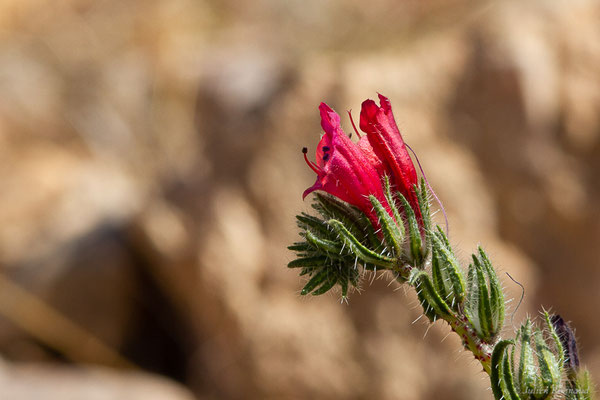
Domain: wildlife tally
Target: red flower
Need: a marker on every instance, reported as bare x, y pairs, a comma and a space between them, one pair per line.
347, 170
385, 138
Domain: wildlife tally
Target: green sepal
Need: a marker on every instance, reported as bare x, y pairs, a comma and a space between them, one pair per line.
324, 278
527, 369
485, 300
308, 270
353, 219
484, 310
357, 248
326, 286
421, 192
581, 388
473, 300
496, 295
549, 367
414, 233
439, 281
392, 235
317, 225
319, 278
433, 305
392, 202
328, 246
501, 372
300, 247
557, 343
304, 262
446, 272
344, 288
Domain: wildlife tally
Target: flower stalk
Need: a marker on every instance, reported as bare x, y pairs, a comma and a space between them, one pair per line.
375, 215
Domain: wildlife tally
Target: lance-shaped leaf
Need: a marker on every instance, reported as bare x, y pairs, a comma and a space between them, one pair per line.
392, 203
300, 247
446, 272
308, 262
549, 367
326, 273
314, 224
581, 388
353, 219
496, 294
332, 248
501, 373
475, 309
318, 279
485, 309
392, 233
358, 249
527, 369
414, 233
554, 333
421, 192
327, 284
434, 306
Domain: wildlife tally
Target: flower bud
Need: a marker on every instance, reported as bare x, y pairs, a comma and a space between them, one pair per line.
578, 385
532, 369
485, 300
446, 272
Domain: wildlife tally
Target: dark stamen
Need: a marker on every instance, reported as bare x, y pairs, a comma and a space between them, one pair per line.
326, 148
325, 157
311, 164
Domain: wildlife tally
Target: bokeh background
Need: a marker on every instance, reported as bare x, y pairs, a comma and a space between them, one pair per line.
150, 171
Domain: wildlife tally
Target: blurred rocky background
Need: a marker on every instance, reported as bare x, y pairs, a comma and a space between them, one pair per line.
150, 171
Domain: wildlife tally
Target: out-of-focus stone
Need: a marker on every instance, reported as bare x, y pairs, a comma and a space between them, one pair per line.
38, 381
150, 171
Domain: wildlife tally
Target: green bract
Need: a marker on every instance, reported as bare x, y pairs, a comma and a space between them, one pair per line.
342, 242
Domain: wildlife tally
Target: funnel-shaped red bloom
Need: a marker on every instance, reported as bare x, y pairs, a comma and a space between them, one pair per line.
385, 138
347, 170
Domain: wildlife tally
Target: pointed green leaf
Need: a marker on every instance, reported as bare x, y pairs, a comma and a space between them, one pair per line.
306, 221
549, 366
438, 278
422, 283
328, 246
308, 262
485, 310
357, 248
300, 247
391, 232
496, 295
527, 367
392, 202
556, 340
315, 281
583, 386
353, 219
308, 270
326, 285
473, 298
414, 233
507, 382
421, 192
451, 273
500, 375
344, 287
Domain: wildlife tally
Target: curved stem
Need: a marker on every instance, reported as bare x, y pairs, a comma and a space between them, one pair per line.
460, 324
